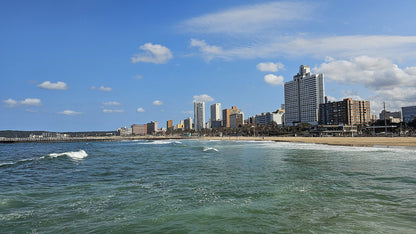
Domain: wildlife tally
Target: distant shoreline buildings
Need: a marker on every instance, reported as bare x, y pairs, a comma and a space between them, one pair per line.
305, 102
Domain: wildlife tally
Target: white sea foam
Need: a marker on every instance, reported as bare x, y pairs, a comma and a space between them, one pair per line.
161, 142
210, 149
312, 146
75, 155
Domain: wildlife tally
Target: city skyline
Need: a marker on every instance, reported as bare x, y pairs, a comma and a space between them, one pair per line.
78, 66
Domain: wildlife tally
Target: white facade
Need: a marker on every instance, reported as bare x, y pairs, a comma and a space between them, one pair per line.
216, 111
199, 115
302, 97
279, 117
269, 117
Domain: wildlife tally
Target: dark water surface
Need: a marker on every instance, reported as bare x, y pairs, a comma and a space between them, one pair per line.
205, 187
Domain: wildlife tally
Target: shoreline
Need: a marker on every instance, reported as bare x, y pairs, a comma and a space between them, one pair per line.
340, 141
336, 141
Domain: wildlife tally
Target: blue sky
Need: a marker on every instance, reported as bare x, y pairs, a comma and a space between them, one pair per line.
99, 65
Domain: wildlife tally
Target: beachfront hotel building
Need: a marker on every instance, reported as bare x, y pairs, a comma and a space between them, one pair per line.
302, 97
409, 113
199, 115
345, 112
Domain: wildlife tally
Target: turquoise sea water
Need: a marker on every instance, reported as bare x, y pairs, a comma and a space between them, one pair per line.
191, 186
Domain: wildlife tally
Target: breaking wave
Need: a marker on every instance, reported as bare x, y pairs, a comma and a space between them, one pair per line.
209, 149
75, 155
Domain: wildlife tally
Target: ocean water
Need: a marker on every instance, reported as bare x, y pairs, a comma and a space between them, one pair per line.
192, 186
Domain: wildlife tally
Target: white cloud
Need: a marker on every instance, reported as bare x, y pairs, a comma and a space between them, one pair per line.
249, 19
111, 103
207, 50
385, 81
31, 102
11, 102
157, 103
273, 79
69, 112
138, 77
270, 67
112, 111
153, 53
203, 98
53, 86
102, 88
340, 47
27, 102
373, 72
140, 110
395, 98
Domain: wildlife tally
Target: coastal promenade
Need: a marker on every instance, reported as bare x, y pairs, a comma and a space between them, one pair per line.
344, 141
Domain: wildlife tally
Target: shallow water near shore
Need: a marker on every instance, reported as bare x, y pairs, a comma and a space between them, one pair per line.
205, 186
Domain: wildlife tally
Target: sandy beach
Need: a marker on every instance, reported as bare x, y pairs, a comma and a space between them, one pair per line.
346, 141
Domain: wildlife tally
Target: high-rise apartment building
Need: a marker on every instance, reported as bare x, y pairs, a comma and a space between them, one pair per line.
152, 127
199, 115
216, 111
216, 115
188, 123
409, 113
345, 112
302, 97
169, 124
226, 115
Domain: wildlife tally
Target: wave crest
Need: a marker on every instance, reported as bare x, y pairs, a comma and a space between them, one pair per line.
75, 155
209, 149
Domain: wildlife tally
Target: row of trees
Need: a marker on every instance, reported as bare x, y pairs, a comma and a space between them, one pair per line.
302, 129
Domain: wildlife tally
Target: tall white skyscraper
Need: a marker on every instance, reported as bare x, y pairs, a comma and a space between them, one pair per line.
302, 97
215, 112
199, 115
